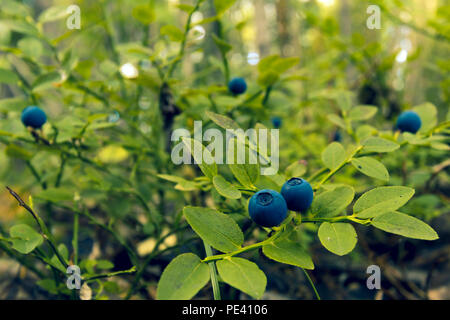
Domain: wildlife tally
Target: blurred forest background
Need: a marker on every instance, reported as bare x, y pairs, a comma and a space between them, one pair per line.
76, 73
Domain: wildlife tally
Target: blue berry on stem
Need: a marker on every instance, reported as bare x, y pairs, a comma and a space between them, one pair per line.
276, 122
409, 121
267, 208
34, 117
237, 86
298, 194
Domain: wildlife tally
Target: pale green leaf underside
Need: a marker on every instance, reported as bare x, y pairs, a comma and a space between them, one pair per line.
404, 225
216, 228
183, 278
331, 203
339, 238
289, 252
371, 167
380, 200
225, 188
333, 155
243, 275
376, 144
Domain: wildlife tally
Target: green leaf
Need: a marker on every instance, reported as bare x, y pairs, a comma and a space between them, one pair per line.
371, 167
428, 115
17, 152
174, 33
62, 249
362, 113
56, 195
53, 13
223, 5
223, 46
31, 46
246, 173
104, 264
7, 76
284, 64
333, 155
216, 228
276, 65
222, 121
331, 203
289, 252
380, 200
268, 78
202, 157
375, 144
19, 26
404, 225
339, 238
12, 104
46, 81
225, 188
295, 169
183, 278
144, 13
182, 184
185, 7
15, 8
24, 238
337, 120
243, 275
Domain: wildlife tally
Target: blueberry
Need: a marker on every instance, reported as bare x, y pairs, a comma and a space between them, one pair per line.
276, 121
237, 85
298, 194
408, 121
34, 117
337, 136
267, 208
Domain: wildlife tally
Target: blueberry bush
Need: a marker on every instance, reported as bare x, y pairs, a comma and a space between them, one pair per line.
87, 122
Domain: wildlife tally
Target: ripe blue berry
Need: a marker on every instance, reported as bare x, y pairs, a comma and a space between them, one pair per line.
276, 121
237, 85
298, 194
34, 117
409, 121
337, 136
267, 208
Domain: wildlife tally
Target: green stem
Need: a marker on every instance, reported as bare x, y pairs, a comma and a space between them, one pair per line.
213, 273
317, 174
183, 42
111, 274
267, 95
36, 174
334, 171
76, 225
312, 284
244, 249
352, 218
61, 171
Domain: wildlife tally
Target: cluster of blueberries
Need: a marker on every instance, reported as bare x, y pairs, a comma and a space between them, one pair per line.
267, 207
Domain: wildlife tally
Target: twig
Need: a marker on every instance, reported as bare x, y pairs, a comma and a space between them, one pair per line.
111, 274
43, 228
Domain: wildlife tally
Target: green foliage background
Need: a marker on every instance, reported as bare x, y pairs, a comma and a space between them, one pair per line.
99, 174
